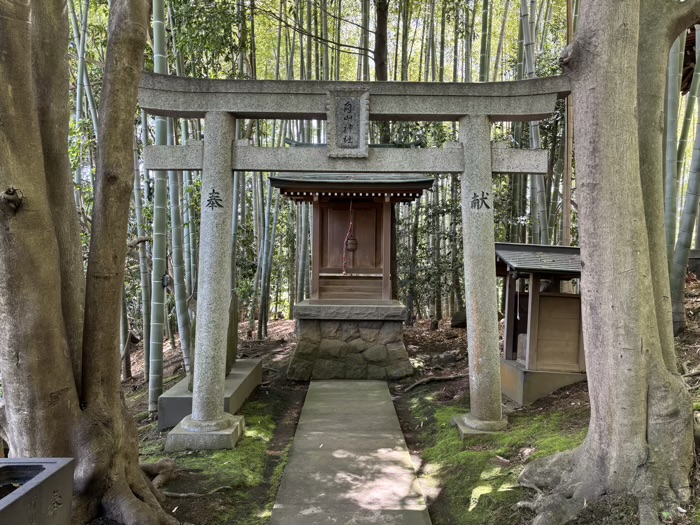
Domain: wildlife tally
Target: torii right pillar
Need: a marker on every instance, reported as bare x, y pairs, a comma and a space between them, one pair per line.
480, 281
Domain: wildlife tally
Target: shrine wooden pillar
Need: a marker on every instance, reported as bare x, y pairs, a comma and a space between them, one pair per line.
533, 322
386, 249
510, 316
315, 248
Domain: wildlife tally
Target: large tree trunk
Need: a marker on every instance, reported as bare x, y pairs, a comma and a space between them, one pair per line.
35, 344
640, 439
49, 87
380, 41
48, 411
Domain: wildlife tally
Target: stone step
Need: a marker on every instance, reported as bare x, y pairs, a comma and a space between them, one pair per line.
349, 294
349, 463
338, 281
350, 286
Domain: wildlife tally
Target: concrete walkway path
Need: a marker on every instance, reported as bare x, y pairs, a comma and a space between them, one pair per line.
349, 464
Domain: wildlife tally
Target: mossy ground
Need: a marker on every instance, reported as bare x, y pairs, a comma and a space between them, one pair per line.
471, 482
251, 469
474, 482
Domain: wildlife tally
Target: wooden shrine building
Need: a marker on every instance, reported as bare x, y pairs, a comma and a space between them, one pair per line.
542, 341
350, 327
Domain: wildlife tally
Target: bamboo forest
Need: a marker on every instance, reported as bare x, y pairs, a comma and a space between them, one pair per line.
316, 262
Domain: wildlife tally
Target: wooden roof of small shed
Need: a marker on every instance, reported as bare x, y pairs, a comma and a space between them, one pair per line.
534, 258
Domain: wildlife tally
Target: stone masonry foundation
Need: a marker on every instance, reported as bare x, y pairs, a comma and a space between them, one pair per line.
346, 349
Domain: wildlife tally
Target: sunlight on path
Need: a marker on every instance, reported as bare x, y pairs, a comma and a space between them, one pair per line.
349, 463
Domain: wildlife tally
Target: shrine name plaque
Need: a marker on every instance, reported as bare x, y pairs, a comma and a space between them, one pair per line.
348, 121
347, 130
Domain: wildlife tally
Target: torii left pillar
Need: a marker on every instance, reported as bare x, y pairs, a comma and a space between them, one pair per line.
209, 426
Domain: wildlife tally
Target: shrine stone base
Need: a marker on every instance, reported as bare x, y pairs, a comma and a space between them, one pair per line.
526, 386
370, 347
176, 403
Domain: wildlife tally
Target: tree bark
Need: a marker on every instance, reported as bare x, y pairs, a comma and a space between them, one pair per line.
381, 68
53, 414
125, 339
126, 494
30, 251
50, 86
380, 40
642, 442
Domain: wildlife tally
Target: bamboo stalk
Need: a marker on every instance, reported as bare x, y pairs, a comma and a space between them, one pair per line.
671, 131
143, 255
160, 210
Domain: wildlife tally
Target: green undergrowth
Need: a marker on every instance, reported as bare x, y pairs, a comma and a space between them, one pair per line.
476, 479
277, 475
247, 469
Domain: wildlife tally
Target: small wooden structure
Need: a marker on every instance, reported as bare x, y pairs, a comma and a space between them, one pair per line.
352, 225
350, 327
542, 342
694, 262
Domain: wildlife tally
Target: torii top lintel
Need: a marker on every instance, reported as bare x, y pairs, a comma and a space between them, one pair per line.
521, 100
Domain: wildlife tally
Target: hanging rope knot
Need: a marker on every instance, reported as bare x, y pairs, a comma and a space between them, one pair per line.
348, 237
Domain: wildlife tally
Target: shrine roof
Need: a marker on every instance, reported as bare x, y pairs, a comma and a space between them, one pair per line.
542, 259
406, 186
353, 178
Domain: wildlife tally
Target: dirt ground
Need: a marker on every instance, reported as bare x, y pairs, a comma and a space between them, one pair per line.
276, 405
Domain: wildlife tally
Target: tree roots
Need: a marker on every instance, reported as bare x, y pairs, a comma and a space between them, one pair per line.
134, 500
163, 471
559, 498
160, 472
196, 494
109, 481
566, 483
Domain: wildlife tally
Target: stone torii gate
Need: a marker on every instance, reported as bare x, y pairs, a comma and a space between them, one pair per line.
220, 102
